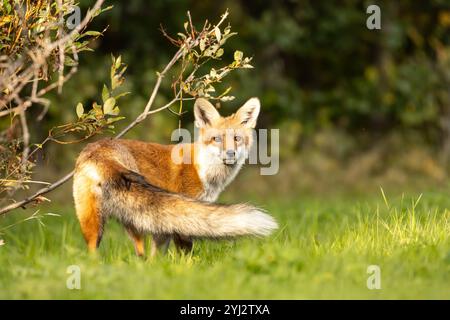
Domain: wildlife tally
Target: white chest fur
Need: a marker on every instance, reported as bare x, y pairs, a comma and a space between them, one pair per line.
215, 176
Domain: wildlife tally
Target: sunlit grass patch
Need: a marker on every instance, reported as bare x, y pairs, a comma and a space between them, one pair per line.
322, 250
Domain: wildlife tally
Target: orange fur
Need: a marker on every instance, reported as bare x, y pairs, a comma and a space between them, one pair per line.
155, 164
124, 177
138, 239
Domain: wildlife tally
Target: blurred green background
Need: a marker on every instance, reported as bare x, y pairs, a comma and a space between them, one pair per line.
357, 108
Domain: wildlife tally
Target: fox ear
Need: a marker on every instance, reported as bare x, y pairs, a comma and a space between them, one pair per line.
248, 113
205, 113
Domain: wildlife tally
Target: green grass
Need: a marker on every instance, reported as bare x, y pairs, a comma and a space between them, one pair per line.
322, 250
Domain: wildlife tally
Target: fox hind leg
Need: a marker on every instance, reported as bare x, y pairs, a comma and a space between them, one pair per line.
183, 244
160, 244
138, 239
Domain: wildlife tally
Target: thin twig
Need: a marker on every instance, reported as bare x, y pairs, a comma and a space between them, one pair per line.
26, 138
28, 181
179, 54
62, 56
140, 118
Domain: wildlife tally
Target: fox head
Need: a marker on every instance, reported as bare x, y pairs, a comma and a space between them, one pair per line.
226, 140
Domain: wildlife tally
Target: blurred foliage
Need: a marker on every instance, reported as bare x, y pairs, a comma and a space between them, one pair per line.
37, 42
317, 66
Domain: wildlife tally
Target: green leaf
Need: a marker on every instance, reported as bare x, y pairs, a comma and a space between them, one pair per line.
120, 95
238, 55
115, 111
68, 61
225, 92
105, 93
112, 120
108, 106
80, 110
219, 53
106, 9
218, 34
118, 62
92, 33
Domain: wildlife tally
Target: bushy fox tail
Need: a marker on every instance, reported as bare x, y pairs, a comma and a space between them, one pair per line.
134, 201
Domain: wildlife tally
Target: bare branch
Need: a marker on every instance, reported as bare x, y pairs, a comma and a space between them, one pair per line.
189, 42
26, 137
19, 81
32, 198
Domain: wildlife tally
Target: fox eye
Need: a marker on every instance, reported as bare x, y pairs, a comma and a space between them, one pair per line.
237, 138
217, 139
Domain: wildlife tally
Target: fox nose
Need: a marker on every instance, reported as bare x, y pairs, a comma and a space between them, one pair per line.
230, 153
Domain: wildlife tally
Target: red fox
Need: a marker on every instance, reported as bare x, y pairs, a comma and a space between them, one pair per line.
140, 185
